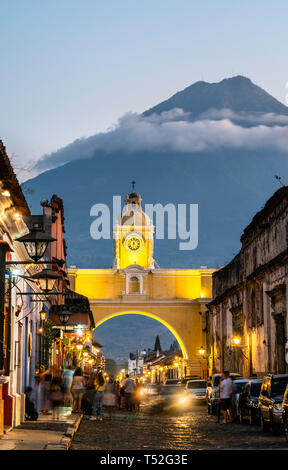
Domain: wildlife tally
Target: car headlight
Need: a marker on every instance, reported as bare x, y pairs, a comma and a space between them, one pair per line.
182, 400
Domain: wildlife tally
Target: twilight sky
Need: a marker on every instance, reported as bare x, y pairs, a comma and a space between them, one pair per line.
69, 69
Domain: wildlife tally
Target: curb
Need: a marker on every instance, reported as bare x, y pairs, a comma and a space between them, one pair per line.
69, 434
67, 438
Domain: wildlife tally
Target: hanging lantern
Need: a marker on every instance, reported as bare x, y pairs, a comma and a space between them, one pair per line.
43, 315
64, 316
36, 243
46, 279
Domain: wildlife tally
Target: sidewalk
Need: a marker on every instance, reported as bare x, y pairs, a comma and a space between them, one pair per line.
43, 434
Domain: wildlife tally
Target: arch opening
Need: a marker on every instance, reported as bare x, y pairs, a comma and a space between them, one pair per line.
151, 315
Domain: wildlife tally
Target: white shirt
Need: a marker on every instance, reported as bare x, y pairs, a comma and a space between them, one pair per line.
226, 388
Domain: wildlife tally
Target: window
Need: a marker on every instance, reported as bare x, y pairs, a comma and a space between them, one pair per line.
197, 384
134, 285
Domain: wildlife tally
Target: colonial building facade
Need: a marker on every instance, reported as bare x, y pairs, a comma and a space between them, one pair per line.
25, 349
247, 319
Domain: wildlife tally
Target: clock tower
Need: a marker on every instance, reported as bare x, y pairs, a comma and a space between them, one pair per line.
133, 235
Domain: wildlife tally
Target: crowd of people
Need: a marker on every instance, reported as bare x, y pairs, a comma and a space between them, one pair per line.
85, 393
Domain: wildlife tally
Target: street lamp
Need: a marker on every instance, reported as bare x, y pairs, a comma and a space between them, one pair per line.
64, 316
5, 191
43, 315
36, 243
46, 279
236, 340
202, 351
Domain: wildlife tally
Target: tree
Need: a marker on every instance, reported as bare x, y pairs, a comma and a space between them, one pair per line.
49, 337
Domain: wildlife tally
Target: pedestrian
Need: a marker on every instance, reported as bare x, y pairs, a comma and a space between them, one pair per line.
46, 377
137, 396
67, 377
30, 410
77, 389
122, 396
40, 393
118, 393
233, 406
128, 391
219, 407
88, 397
98, 397
226, 390
109, 398
56, 396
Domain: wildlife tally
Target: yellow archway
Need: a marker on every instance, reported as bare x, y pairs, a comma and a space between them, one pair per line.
151, 315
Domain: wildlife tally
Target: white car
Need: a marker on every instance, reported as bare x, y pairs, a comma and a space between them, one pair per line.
196, 389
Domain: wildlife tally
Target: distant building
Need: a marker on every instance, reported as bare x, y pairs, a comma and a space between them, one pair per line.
135, 364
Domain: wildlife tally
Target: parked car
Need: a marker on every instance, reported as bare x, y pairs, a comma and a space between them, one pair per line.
196, 390
270, 402
212, 392
248, 402
190, 377
285, 413
172, 382
238, 387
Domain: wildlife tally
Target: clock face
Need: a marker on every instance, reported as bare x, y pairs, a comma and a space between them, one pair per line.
133, 243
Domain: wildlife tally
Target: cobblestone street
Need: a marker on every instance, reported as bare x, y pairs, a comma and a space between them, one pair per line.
195, 430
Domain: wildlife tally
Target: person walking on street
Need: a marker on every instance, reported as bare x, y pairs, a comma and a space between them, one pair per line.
77, 389
109, 398
98, 397
56, 396
233, 406
118, 393
226, 390
46, 377
128, 390
219, 407
137, 396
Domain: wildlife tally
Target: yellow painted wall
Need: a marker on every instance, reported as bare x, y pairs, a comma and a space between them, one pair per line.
173, 296
158, 284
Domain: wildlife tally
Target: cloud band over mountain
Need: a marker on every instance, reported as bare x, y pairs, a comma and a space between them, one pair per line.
176, 130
